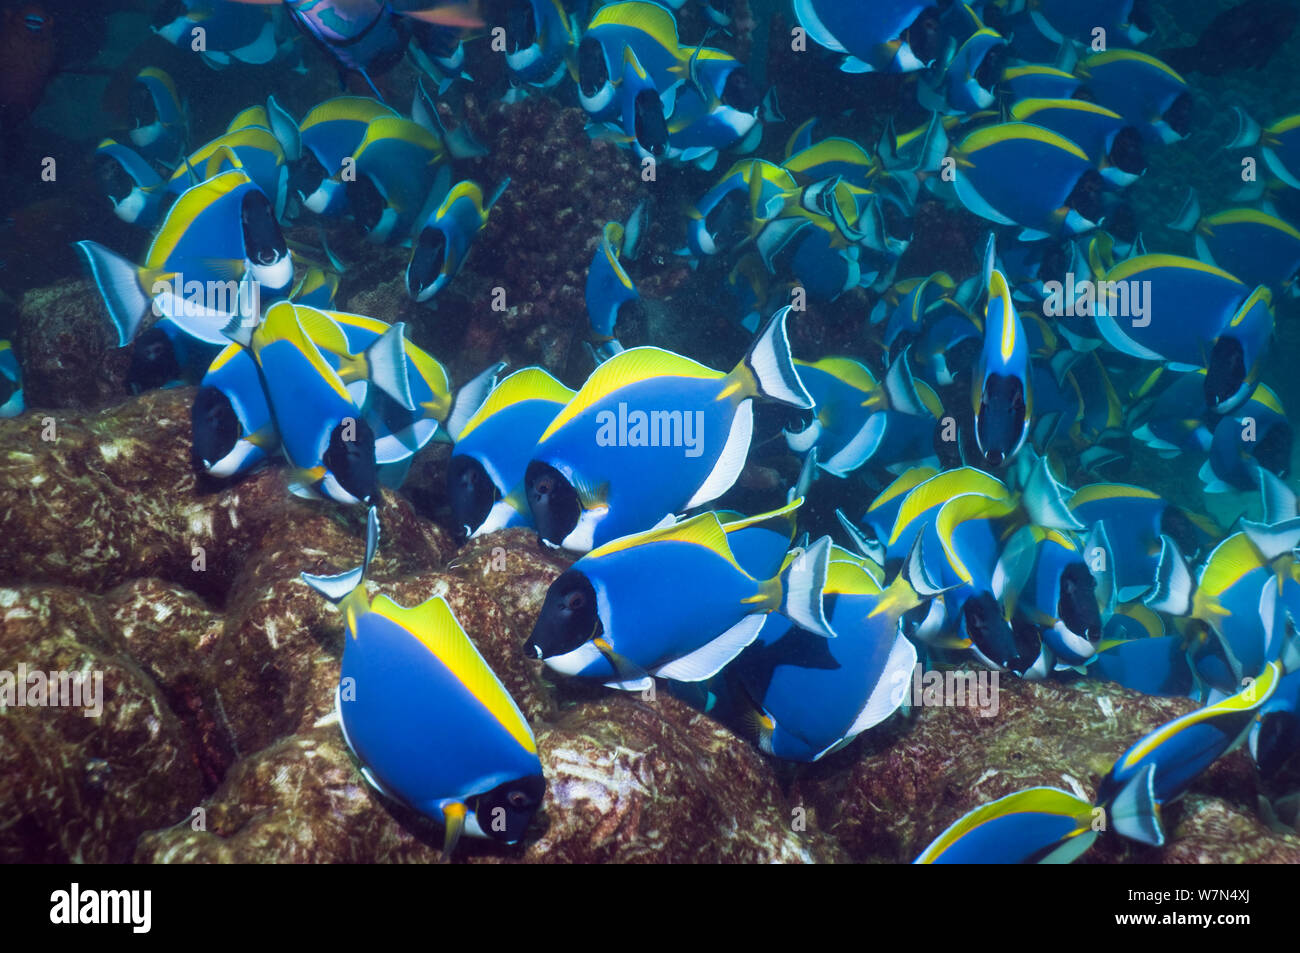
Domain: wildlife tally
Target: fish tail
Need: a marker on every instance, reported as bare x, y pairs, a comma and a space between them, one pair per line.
768, 369
803, 583
1248, 131
1134, 811
386, 359
1189, 215
121, 284
338, 588
1174, 588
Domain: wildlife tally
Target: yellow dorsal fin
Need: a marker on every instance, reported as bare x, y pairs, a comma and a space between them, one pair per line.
1231, 560
851, 372
629, 367
531, 383
434, 624
849, 577
323, 330
970, 506
941, 488
908, 480
1109, 491
703, 530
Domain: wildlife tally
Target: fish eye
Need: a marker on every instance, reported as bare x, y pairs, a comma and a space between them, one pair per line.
574, 601
518, 799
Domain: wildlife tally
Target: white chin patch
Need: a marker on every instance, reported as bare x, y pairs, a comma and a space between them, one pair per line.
383, 230
331, 487
577, 661
319, 200
273, 276
235, 461
522, 59
129, 209
145, 136
599, 102
582, 538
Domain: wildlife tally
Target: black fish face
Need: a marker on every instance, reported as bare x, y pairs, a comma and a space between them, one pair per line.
1000, 423
925, 36
264, 243
728, 221
306, 175
1273, 450
1126, 152
140, 106
365, 202
1029, 644
1087, 197
1226, 374
593, 73
1277, 743
1179, 114
471, 491
521, 26
568, 618
166, 12
651, 124
505, 812
553, 502
1077, 602
153, 362
991, 67
740, 93
112, 178
1175, 524
214, 426
984, 625
427, 261
352, 461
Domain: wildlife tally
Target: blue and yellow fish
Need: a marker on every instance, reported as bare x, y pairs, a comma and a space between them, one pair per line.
1039, 825
1160, 767
494, 446
11, 382
649, 434
601, 621
431, 723
443, 242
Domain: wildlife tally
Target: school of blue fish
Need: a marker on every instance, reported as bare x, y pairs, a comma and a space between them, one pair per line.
977, 441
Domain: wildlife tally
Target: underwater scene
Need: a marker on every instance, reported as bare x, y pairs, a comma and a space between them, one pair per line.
670, 431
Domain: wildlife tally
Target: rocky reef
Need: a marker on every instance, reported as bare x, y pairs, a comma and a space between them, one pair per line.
218, 741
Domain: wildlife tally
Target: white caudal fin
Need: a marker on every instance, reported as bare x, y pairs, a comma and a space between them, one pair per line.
803, 582
1174, 584
336, 588
386, 359
118, 281
772, 365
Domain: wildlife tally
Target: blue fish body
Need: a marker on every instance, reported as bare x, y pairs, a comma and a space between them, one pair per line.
540, 56
1140, 88
331, 133
428, 719
1160, 766
224, 451
1038, 825
987, 183
868, 36
444, 240
818, 694
11, 382
608, 284
716, 610
501, 435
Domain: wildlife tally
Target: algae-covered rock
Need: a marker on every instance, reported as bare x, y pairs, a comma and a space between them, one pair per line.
80, 782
